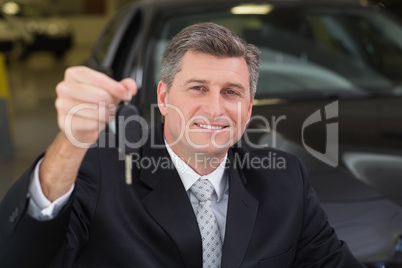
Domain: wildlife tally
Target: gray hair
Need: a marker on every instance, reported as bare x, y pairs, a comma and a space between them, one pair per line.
211, 39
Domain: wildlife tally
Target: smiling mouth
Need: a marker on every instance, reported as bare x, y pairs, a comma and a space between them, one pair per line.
210, 127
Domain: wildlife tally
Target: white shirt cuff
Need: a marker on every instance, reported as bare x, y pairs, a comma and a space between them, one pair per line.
40, 208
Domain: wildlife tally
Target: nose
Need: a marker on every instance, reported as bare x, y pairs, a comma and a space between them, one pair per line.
214, 105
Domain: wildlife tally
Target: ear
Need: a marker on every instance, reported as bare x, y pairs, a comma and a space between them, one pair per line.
162, 97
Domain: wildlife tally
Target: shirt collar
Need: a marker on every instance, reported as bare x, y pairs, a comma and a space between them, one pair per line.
188, 176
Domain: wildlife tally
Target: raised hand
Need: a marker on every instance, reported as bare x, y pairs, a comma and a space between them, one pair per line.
85, 104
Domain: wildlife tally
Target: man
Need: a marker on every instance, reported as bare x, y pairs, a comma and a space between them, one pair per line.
73, 209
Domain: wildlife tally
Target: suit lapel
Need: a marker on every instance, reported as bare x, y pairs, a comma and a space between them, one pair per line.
241, 216
169, 205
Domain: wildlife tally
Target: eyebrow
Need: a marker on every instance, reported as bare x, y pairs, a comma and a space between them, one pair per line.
189, 81
238, 86
204, 82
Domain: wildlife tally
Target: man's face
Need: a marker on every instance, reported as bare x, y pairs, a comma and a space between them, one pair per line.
208, 106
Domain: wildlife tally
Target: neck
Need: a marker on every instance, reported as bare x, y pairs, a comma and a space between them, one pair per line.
202, 163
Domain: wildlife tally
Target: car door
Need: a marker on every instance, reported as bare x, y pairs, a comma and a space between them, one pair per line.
117, 48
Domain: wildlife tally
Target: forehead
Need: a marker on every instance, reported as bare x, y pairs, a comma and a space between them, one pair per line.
209, 67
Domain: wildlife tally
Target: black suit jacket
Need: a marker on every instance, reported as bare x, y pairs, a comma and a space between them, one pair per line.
273, 219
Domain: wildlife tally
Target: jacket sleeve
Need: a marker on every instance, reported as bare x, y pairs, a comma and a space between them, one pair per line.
27, 242
318, 244
24, 241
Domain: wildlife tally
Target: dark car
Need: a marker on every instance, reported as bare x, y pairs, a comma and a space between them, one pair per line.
41, 30
392, 6
330, 92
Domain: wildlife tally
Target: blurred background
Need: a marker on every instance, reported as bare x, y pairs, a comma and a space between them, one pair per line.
318, 53
38, 41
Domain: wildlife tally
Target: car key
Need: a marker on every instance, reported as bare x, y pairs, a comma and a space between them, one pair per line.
128, 132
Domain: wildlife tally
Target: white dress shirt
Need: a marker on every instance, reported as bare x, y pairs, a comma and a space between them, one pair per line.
218, 178
42, 209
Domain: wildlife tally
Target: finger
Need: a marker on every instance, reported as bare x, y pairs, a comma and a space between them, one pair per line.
82, 131
87, 76
101, 112
83, 93
130, 85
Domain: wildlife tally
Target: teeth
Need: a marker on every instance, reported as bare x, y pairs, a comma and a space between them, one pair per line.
210, 127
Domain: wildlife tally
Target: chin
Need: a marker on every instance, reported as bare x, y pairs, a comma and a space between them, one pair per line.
211, 150
209, 145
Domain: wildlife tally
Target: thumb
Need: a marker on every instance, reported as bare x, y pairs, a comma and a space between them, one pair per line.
131, 87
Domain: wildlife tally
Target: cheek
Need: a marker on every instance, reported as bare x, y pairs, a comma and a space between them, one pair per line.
180, 112
186, 108
239, 115
242, 117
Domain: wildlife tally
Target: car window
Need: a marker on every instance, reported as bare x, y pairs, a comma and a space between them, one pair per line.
116, 49
311, 52
104, 43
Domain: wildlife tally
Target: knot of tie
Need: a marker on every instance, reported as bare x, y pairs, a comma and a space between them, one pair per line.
203, 190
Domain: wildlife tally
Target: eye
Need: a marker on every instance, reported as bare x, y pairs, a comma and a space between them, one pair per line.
196, 88
231, 92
